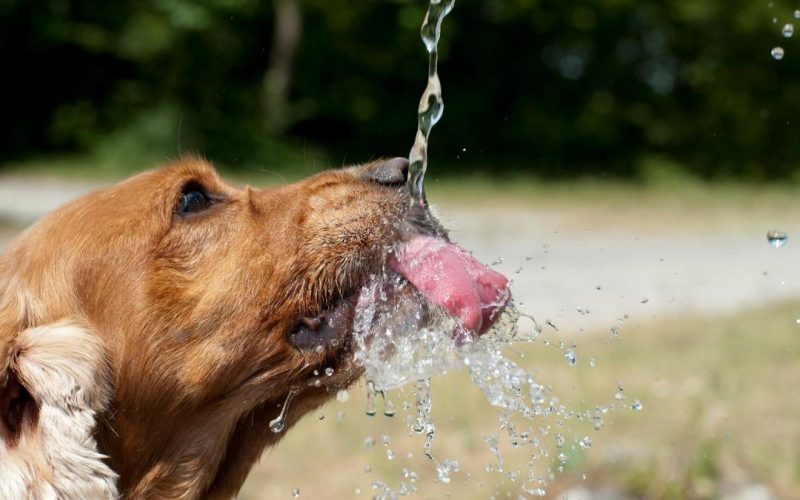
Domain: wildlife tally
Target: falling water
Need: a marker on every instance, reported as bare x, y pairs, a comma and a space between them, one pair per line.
277, 424
431, 105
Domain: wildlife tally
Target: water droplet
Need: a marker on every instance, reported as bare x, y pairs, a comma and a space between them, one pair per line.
788, 30
586, 443
777, 238
637, 405
342, 396
571, 357
367, 469
615, 330
386, 439
444, 469
276, 424
370, 398
592, 362
619, 396
295, 493
777, 53
369, 442
329, 371
797, 14
388, 406
389, 455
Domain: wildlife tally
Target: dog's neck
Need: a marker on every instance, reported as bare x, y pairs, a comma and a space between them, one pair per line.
208, 456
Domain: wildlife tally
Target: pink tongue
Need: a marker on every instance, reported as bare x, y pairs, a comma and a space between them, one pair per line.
452, 279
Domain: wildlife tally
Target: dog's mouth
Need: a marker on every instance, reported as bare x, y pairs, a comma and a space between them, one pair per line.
329, 328
423, 273
452, 279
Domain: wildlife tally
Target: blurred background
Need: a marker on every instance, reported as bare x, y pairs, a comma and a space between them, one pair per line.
626, 89
622, 160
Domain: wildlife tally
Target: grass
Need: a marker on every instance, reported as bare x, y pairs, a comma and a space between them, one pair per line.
719, 412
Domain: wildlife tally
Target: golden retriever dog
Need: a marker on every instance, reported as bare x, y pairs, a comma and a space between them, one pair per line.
149, 332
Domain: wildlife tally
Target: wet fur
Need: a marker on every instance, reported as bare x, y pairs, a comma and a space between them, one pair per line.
144, 354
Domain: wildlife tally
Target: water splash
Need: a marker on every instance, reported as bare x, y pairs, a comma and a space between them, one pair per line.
399, 340
277, 424
422, 346
431, 104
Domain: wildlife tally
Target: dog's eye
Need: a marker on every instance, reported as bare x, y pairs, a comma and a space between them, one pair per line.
193, 199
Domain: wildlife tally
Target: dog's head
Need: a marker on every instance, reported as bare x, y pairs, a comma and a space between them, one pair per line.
185, 311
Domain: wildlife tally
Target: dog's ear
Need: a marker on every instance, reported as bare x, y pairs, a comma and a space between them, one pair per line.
53, 382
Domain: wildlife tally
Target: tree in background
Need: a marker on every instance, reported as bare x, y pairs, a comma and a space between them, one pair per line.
554, 88
287, 28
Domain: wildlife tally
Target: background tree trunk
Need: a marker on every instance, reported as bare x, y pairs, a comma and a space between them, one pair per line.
278, 78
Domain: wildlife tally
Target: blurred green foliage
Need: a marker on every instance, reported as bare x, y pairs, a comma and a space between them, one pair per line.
624, 88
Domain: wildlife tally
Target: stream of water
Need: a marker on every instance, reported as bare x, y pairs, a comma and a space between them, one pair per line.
431, 104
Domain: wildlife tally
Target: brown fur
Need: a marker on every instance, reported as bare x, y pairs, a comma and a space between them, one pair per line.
193, 314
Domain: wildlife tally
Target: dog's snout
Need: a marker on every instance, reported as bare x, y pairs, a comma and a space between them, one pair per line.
392, 172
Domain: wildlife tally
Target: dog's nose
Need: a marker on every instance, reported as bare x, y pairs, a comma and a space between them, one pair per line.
392, 172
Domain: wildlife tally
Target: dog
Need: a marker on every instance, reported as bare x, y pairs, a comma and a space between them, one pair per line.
151, 331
